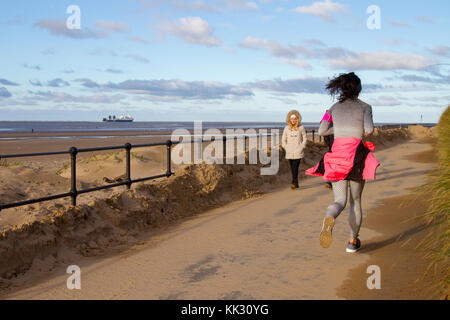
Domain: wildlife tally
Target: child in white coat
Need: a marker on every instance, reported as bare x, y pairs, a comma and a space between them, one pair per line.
294, 143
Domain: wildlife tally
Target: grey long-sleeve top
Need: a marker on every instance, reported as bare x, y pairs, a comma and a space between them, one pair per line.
351, 118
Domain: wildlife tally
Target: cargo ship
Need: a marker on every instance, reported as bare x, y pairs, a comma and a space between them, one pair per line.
119, 119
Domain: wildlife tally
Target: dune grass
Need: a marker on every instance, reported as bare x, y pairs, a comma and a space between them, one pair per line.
64, 168
7, 164
437, 244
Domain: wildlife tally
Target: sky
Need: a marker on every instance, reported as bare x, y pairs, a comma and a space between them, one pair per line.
220, 60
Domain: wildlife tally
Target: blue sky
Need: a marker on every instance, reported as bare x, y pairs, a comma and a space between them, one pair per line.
220, 60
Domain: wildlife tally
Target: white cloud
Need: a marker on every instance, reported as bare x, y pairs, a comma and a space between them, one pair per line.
300, 85
137, 58
48, 52
215, 6
195, 6
241, 4
396, 42
35, 67
443, 51
425, 19
381, 60
4, 93
290, 53
139, 40
116, 71
64, 97
252, 43
314, 49
59, 28
315, 42
175, 89
88, 83
323, 10
193, 30
113, 26
384, 101
298, 63
400, 24
342, 58
103, 52
6, 82
57, 83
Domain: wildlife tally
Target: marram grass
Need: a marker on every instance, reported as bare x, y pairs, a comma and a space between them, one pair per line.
437, 244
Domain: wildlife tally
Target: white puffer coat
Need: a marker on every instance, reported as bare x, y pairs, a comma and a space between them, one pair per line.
294, 141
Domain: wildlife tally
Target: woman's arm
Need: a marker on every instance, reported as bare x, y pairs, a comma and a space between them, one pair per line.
368, 120
329, 132
325, 124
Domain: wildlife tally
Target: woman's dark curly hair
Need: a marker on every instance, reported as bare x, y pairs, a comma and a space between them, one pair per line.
346, 85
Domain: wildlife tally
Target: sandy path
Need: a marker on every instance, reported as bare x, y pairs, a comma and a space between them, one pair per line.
264, 248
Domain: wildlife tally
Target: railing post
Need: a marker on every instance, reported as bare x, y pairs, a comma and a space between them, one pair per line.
313, 133
199, 150
128, 160
224, 150
73, 175
169, 158
245, 144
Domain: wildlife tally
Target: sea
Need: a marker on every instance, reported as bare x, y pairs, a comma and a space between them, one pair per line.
104, 129
150, 126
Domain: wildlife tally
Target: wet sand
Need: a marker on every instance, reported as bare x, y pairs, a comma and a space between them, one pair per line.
32, 143
17, 143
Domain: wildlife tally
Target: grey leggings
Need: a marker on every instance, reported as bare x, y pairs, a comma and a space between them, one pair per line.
340, 189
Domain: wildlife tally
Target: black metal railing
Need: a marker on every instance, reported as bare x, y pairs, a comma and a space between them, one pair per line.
73, 152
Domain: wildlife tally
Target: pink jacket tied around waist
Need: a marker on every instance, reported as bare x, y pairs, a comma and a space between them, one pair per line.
349, 159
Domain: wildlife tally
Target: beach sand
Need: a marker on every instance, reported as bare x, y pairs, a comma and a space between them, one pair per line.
265, 247
35, 177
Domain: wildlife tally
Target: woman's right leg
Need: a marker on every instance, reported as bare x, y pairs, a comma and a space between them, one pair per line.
340, 198
333, 211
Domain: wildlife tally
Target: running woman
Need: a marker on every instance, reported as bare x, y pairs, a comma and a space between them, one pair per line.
350, 161
294, 142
